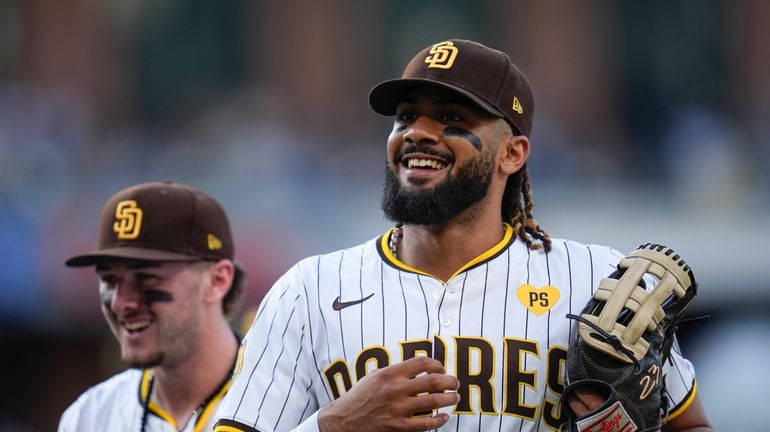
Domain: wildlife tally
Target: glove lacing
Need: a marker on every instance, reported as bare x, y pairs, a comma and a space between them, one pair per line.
610, 339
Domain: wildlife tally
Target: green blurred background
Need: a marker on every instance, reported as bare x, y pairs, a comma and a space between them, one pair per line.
651, 124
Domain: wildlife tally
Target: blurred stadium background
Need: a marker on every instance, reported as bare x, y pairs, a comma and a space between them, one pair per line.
651, 125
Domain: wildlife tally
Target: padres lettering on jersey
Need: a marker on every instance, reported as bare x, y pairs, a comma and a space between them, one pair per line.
498, 325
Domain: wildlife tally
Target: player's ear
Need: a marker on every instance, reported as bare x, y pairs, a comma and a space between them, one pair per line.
513, 153
219, 279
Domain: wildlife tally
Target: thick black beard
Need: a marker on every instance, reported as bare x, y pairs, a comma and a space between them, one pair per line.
438, 205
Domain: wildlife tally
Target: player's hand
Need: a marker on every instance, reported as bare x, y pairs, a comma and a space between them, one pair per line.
387, 398
585, 400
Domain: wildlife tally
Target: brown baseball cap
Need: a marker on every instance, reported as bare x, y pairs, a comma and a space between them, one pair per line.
484, 75
161, 221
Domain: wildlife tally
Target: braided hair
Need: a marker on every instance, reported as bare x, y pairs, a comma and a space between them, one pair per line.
517, 209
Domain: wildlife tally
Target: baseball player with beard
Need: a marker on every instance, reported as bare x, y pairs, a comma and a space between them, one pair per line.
167, 283
455, 319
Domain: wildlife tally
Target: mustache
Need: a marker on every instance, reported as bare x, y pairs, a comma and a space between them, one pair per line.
425, 149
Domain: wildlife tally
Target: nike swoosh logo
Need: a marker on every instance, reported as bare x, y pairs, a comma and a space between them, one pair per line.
339, 305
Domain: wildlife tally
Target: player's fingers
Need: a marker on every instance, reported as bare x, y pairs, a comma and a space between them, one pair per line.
431, 401
432, 382
425, 423
585, 400
417, 365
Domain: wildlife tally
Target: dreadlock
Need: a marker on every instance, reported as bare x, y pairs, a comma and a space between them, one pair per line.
517, 208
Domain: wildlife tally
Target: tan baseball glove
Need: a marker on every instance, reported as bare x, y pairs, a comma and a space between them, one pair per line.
623, 336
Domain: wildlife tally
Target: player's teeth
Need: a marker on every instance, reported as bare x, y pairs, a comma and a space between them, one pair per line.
424, 163
136, 325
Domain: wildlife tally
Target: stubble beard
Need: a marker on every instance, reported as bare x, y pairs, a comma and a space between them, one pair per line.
172, 346
168, 351
155, 359
133, 360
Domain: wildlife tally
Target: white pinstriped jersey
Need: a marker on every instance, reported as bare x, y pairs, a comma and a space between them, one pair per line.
117, 405
498, 325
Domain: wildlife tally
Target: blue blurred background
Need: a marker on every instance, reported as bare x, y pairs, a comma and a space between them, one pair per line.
652, 124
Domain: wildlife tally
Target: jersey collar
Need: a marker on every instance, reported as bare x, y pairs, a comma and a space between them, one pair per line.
205, 411
383, 247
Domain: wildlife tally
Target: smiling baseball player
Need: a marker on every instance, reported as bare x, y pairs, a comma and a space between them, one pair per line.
455, 319
167, 282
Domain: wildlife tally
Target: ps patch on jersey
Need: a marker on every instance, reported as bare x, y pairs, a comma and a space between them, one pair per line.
538, 300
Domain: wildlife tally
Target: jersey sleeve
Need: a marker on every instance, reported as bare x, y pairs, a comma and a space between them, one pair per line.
272, 380
69, 421
679, 377
110, 405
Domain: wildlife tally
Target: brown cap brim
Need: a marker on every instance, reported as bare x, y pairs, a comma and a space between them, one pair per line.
385, 96
96, 257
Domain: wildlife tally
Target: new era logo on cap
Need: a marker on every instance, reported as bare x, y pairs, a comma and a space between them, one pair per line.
161, 221
484, 75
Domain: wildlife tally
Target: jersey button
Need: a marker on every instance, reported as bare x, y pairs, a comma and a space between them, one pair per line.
446, 322
437, 294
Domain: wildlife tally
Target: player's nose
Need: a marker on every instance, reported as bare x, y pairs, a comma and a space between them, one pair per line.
423, 130
126, 296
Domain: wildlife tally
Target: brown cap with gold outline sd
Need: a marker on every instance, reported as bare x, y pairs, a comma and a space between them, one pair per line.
484, 75
161, 221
